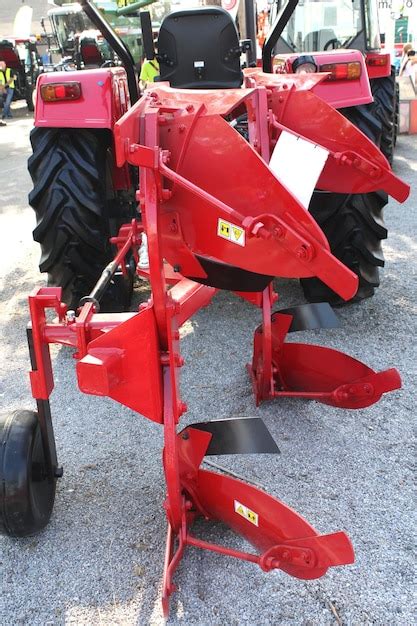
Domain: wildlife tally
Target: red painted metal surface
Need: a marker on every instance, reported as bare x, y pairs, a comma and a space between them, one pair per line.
291, 243
339, 94
378, 64
41, 380
281, 369
111, 366
283, 538
104, 99
355, 164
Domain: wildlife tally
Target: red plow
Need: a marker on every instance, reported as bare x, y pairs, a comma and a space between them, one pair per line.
217, 217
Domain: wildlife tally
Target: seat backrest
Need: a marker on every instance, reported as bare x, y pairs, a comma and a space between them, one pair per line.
90, 52
199, 49
317, 39
9, 55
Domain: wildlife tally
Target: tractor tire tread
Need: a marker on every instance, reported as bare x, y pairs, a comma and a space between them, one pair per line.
385, 109
68, 169
354, 227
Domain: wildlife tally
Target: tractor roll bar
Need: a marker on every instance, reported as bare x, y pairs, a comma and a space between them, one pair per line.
280, 23
250, 21
117, 44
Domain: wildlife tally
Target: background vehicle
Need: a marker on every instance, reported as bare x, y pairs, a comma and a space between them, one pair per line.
71, 27
330, 25
21, 56
308, 36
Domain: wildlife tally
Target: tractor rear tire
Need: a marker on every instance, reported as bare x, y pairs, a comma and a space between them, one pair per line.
353, 224
27, 493
364, 118
354, 227
385, 109
397, 112
73, 199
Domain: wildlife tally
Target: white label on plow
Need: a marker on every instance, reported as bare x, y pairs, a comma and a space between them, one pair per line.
297, 164
243, 511
231, 232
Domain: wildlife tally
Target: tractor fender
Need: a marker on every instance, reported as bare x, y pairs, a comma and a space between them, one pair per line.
104, 99
338, 93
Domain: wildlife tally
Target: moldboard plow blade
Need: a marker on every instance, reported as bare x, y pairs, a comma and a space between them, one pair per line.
246, 435
247, 233
354, 164
312, 372
281, 537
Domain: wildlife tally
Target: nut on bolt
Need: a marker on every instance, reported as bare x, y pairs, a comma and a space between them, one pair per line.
278, 232
305, 252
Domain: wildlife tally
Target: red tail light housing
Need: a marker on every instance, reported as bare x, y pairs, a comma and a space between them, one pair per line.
378, 61
342, 71
53, 92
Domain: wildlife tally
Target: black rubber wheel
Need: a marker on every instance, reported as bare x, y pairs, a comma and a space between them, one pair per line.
364, 118
76, 212
354, 227
27, 494
385, 109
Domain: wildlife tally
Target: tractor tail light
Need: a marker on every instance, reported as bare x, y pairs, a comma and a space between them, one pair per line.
379, 61
53, 92
342, 71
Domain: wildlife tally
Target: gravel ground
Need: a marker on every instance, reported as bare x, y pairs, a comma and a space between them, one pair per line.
100, 559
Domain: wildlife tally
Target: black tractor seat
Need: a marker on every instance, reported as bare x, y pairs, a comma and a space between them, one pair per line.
200, 49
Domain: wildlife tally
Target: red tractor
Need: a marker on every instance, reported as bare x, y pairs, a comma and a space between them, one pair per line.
21, 56
335, 37
156, 165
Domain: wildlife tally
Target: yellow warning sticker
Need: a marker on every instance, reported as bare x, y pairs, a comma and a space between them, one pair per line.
249, 515
231, 232
224, 229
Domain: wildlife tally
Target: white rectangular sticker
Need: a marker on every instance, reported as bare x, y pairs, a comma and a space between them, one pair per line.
231, 232
243, 511
297, 164
198, 63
